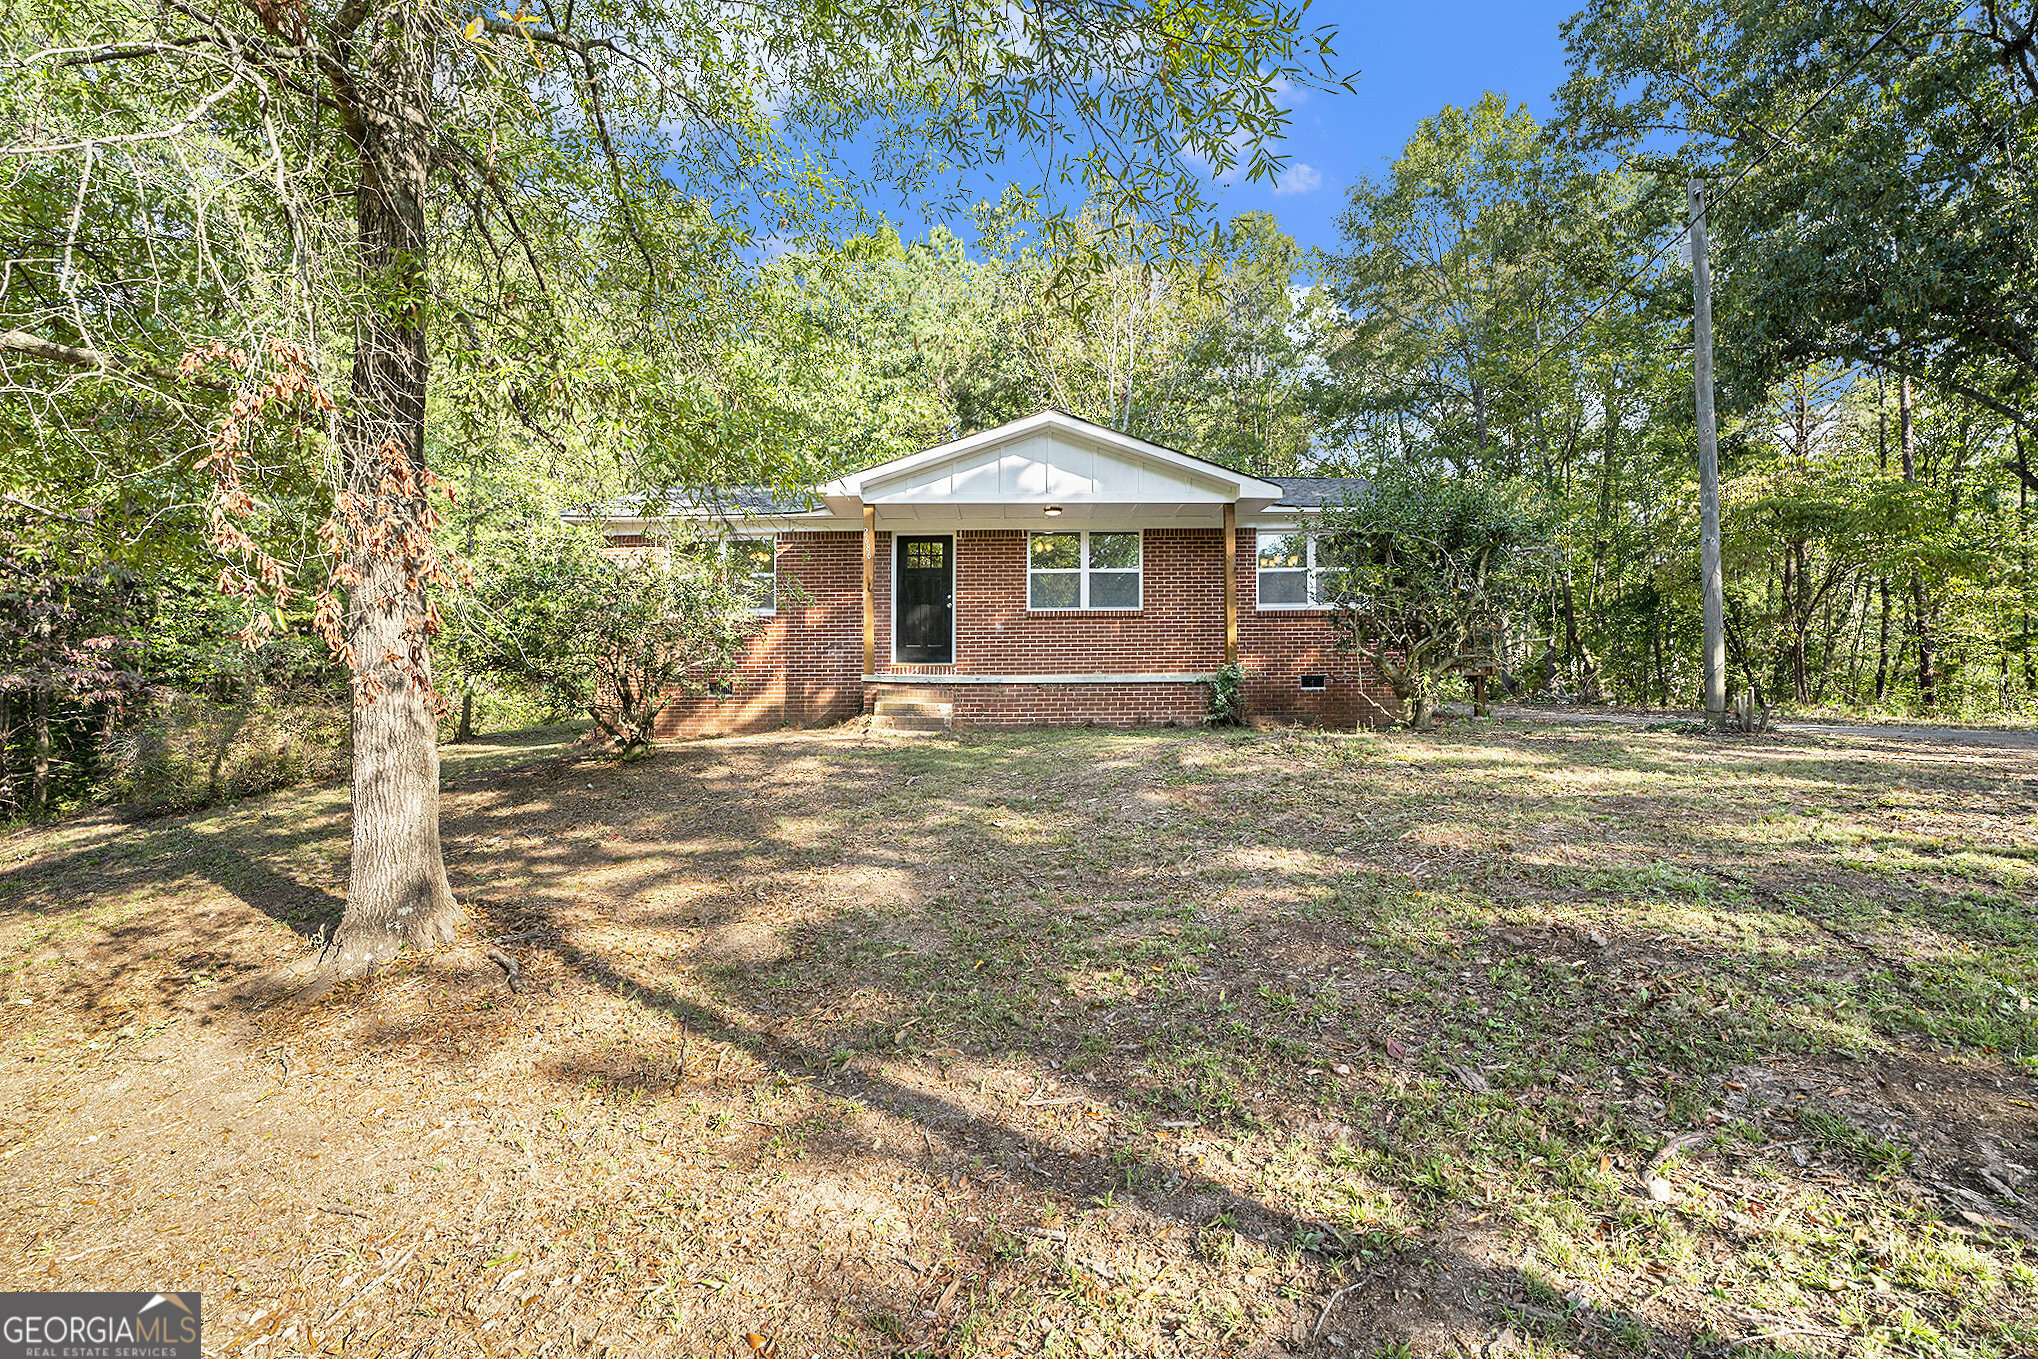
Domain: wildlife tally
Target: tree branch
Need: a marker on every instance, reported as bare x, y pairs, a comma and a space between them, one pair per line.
35, 347
44, 510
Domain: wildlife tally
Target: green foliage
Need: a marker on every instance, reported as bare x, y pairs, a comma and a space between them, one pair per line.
1512, 313
1836, 124
616, 634
1226, 707
921, 341
1427, 570
181, 751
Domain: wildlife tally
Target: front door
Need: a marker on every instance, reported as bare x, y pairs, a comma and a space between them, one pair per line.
926, 601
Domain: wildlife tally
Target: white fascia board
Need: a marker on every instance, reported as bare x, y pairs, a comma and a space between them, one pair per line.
813, 522
1280, 517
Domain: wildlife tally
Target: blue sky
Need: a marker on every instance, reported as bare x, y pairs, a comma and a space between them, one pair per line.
1412, 59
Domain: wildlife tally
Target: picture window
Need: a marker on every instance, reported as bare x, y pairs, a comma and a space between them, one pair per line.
1084, 570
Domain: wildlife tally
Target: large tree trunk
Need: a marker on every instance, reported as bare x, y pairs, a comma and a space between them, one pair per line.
398, 895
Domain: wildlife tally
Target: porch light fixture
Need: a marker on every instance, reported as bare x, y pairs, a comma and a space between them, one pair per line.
1051, 511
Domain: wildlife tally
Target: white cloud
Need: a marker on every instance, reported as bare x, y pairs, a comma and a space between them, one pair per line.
1241, 148
1298, 178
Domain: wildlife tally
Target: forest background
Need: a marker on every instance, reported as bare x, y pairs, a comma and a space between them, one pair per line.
1509, 303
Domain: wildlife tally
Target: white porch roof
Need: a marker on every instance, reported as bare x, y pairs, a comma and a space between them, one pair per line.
1016, 470
1048, 468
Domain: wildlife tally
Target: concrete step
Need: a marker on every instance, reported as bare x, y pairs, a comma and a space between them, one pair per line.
883, 721
909, 707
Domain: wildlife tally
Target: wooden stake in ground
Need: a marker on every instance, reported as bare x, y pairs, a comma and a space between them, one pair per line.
1712, 585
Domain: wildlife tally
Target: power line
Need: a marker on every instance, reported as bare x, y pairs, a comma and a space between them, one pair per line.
1710, 201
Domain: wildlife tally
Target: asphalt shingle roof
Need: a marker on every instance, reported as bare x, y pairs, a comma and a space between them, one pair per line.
721, 500
1312, 492
738, 501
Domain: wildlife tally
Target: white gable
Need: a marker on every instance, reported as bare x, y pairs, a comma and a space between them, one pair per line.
1050, 459
1043, 468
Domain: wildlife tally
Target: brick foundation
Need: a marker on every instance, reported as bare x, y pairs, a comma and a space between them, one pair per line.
1054, 705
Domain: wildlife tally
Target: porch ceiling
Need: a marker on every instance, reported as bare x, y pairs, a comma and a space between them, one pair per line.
1035, 515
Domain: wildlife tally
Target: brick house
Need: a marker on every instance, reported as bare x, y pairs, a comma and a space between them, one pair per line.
1047, 571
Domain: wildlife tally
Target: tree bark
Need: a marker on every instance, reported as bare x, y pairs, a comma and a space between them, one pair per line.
1921, 618
1882, 659
39, 768
2024, 558
398, 895
1928, 666
1882, 582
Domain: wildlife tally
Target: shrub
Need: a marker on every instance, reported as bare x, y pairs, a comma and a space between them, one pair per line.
181, 752
1226, 707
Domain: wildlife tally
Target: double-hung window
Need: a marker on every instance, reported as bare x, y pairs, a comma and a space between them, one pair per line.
1083, 570
1300, 570
753, 565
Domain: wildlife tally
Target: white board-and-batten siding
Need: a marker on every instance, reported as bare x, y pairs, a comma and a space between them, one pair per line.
1044, 469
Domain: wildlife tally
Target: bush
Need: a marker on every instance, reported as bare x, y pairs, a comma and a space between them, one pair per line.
181, 752
1226, 704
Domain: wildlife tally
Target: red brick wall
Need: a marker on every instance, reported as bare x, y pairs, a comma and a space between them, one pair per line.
1279, 646
1179, 626
1031, 705
804, 666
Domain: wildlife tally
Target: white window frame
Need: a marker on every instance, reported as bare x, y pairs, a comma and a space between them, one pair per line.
728, 555
1082, 569
1313, 574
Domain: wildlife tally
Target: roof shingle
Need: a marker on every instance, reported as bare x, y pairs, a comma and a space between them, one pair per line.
1316, 492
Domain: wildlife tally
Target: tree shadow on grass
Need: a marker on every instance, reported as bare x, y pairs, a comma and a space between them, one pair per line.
1383, 1288
706, 843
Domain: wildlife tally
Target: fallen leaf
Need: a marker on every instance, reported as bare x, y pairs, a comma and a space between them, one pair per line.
1395, 1050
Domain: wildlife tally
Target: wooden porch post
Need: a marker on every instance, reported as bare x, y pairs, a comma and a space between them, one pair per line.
870, 589
1230, 583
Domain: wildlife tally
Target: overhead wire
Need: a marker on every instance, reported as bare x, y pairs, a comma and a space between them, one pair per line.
1709, 201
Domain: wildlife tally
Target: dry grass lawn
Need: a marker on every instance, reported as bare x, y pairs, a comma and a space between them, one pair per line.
1524, 1040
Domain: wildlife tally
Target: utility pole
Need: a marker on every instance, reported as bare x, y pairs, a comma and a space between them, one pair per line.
1711, 584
